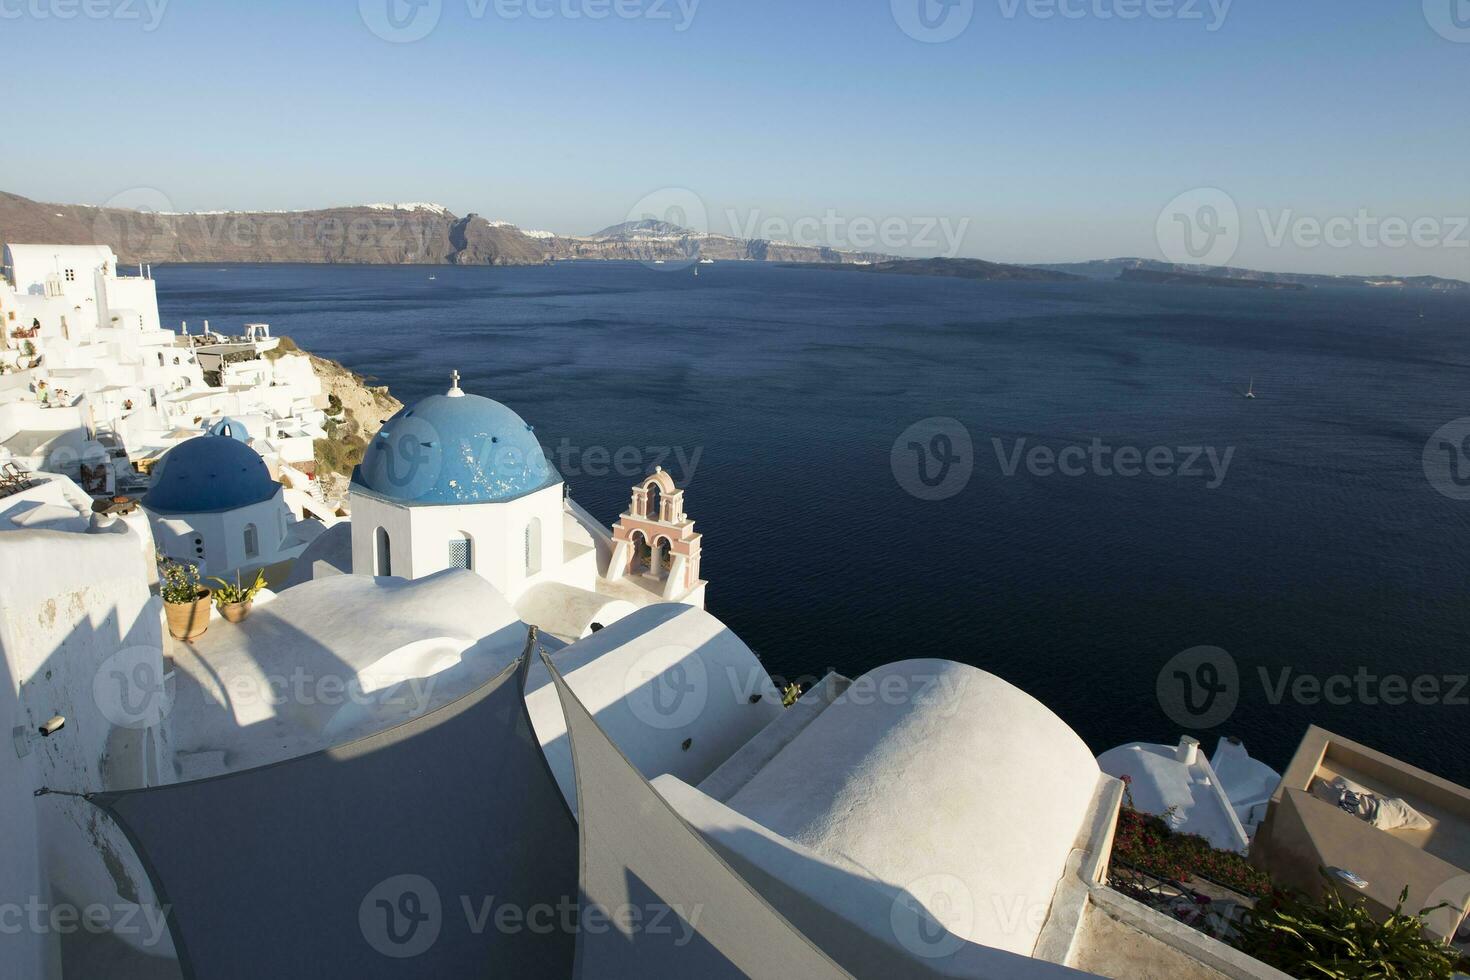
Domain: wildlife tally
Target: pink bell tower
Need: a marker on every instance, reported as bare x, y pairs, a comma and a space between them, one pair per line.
655, 544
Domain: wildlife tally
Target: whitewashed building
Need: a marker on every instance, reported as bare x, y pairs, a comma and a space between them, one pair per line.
459, 481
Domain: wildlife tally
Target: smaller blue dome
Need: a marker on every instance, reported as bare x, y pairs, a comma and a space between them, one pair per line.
207, 474
227, 426
454, 449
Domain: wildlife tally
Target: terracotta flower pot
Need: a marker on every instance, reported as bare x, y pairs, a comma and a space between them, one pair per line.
186, 620
235, 612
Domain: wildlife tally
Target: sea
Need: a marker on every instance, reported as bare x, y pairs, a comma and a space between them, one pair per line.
1060, 483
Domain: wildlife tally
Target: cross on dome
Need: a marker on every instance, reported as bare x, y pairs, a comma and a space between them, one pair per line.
454, 391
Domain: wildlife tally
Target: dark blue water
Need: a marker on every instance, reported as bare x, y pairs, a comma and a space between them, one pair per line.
1324, 549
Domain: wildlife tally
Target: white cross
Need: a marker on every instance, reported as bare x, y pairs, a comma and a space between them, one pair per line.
456, 380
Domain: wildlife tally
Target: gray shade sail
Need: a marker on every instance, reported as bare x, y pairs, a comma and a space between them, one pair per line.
657, 902
439, 848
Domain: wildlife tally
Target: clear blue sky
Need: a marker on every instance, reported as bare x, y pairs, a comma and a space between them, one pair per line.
1057, 138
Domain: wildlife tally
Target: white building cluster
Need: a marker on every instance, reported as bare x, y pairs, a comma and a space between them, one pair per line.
88, 375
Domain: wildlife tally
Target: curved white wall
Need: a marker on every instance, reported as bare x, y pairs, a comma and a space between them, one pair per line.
666, 675
942, 780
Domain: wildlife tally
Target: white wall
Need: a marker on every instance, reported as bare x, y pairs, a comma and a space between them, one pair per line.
70, 604
665, 675
420, 538
224, 536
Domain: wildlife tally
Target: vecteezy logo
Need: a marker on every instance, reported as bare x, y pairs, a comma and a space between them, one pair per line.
667, 688
129, 221
401, 917
933, 21
1449, 18
129, 688
1199, 227
407, 456
665, 228
933, 459
1447, 460
1199, 688
929, 916
400, 21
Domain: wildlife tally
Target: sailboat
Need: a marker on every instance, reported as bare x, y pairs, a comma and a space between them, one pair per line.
1251, 391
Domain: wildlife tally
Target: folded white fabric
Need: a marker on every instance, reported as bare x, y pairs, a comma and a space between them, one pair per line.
1383, 812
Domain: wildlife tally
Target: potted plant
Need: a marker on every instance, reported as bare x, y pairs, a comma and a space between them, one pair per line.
235, 600
185, 600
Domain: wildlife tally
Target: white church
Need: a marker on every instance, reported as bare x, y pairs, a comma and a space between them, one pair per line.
459, 481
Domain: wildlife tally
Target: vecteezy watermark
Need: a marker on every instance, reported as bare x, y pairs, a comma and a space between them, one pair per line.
851, 233
146, 13
37, 917
934, 458
933, 21
937, 21
1447, 459
1098, 458
665, 228
133, 221
1205, 227
1211, 13
628, 461
1199, 227
1201, 688
667, 688
931, 914
130, 688
403, 916
406, 21
1363, 686
1364, 229
142, 222
1449, 18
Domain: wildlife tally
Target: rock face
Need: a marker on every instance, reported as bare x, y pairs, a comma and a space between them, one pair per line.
406, 234
356, 411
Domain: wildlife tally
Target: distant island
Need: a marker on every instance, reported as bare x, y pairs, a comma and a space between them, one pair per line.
1115, 269
430, 234
1209, 282
953, 269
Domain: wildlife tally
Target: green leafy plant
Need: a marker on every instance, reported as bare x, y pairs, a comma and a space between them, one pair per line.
790, 694
228, 594
178, 581
1332, 937
1148, 843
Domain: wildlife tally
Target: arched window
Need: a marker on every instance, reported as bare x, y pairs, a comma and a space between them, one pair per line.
252, 541
655, 500
384, 552
642, 554
533, 546
461, 552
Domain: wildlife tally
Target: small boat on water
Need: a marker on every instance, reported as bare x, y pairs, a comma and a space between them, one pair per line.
1251, 391
706, 261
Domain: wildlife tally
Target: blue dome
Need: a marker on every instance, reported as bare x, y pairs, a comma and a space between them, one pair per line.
454, 449
227, 426
207, 474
